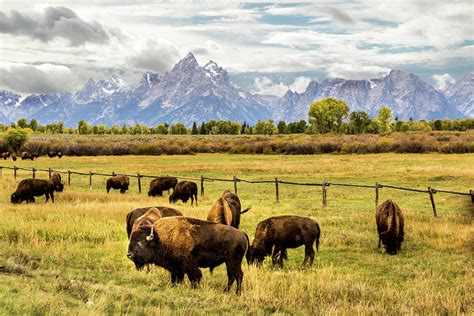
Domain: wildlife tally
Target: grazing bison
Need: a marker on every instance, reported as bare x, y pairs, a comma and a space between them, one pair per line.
133, 215
14, 156
160, 184
389, 219
6, 155
280, 233
58, 185
60, 154
52, 154
26, 155
226, 210
182, 245
118, 183
29, 188
184, 191
34, 155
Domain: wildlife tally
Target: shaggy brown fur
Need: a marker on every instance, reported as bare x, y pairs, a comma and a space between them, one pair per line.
184, 191
226, 210
26, 155
14, 156
136, 213
6, 155
280, 233
118, 183
182, 245
29, 188
160, 184
58, 185
52, 154
390, 222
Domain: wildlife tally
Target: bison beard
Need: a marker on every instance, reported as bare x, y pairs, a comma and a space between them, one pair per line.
182, 245
390, 223
281, 232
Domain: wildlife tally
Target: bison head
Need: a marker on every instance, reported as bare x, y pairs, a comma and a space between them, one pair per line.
141, 249
15, 199
172, 198
59, 187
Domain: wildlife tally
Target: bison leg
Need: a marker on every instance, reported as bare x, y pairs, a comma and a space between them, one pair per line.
108, 189
177, 276
231, 275
52, 196
195, 276
276, 251
47, 196
283, 255
308, 254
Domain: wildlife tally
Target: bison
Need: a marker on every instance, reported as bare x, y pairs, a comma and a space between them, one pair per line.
14, 156
280, 233
226, 210
35, 155
52, 154
389, 219
160, 184
182, 245
58, 185
60, 154
29, 188
184, 191
26, 155
133, 215
6, 155
118, 183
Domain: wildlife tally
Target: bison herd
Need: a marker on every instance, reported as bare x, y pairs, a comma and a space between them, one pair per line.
29, 155
162, 236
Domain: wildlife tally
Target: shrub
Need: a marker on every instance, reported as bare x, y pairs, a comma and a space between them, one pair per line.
15, 138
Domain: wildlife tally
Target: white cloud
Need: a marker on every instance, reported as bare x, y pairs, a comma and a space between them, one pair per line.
441, 81
264, 85
156, 55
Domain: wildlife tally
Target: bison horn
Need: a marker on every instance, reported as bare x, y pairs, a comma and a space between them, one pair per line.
151, 236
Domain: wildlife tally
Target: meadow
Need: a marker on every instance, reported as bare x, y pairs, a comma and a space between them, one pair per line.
70, 257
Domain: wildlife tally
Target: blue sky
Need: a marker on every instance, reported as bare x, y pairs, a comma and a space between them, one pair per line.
267, 47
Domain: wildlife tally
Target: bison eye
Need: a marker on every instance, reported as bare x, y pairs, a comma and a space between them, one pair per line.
141, 243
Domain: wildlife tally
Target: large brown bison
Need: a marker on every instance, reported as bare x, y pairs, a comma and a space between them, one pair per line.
182, 245
226, 210
136, 213
280, 233
160, 184
184, 191
118, 183
29, 188
58, 185
389, 219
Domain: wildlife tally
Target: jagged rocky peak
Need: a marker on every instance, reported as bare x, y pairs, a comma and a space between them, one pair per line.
214, 70
187, 63
150, 79
8, 97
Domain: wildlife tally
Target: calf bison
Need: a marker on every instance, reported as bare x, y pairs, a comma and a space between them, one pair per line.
389, 219
226, 210
29, 188
160, 184
184, 191
118, 183
58, 185
182, 245
280, 233
133, 215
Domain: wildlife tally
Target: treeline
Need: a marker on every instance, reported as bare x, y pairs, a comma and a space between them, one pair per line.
325, 116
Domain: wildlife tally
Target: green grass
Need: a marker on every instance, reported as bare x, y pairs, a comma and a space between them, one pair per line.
70, 257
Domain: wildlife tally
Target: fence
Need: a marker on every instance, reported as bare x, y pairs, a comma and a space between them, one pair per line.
324, 185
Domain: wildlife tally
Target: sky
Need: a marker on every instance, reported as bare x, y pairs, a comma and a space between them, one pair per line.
267, 47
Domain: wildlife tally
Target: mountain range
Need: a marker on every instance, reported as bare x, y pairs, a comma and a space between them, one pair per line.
190, 92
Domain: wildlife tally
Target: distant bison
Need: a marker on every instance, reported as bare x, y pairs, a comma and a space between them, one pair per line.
52, 154
14, 156
118, 183
226, 210
58, 185
160, 184
5, 155
280, 233
26, 155
35, 155
133, 215
29, 188
60, 154
184, 191
390, 222
182, 245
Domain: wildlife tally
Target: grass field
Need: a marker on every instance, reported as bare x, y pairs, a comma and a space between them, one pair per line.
70, 257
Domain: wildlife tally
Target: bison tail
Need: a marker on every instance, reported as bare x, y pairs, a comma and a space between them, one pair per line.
246, 210
247, 253
129, 225
317, 237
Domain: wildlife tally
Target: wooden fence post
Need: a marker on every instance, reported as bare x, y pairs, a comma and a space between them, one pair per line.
113, 173
202, 185
235, 185
14, 172
376, 195
1, 172
90, 180
324, 193
33, 171
431, 191
139, 183
472, 195
49, 172
69, 178
276, 190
